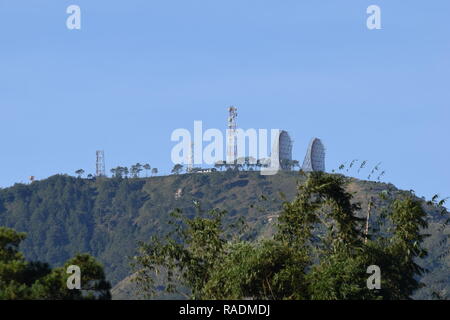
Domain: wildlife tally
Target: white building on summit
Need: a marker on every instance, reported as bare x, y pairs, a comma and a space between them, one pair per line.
315, 156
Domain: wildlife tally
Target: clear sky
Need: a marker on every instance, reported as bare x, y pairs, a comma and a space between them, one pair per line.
138, 69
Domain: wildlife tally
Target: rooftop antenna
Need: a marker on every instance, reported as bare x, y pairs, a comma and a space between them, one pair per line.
100, 164
232, 136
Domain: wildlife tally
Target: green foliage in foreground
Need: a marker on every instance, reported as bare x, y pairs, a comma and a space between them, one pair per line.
106, 217
318, 252
20, 279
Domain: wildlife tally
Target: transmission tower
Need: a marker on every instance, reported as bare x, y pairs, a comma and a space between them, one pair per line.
190, 164
100, 164
232, 136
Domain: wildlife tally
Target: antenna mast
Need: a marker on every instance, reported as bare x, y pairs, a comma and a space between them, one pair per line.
100, 164
232, 143
190, 164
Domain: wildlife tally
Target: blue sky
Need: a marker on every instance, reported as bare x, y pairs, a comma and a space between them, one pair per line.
137, 70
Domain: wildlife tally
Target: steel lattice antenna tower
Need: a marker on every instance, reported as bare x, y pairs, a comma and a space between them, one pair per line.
190, 164
100, 164
232, 138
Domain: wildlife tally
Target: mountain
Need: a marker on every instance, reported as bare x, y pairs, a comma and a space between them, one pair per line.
107, 217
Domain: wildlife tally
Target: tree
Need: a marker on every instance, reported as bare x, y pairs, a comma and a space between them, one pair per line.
20, 279
202, 245
147, 168
154, 171
318, 252
12, 265
135, 170
177, 168
119, 172
79, 172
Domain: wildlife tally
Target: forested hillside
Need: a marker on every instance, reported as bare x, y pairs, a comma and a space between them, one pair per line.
106, 217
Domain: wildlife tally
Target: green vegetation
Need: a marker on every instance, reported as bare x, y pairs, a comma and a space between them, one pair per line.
107, 217
177, 169
135, 171
318, 252
20, 279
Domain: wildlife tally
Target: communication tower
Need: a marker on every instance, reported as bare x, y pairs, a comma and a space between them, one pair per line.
232, 135
100, 164
190, 162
